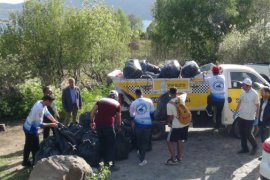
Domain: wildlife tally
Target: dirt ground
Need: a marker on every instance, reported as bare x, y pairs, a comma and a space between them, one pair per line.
207, 156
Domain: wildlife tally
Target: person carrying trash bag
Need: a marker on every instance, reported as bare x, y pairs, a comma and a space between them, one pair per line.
30, 127
248, 108
217, 95
142, 112
104, 114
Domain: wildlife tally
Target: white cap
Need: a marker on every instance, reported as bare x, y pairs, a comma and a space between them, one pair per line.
247, 81
113, 93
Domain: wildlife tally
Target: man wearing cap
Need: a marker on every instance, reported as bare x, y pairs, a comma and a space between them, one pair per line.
71, 101
104, 114
141, 112
217, 94
33, 121
248, 109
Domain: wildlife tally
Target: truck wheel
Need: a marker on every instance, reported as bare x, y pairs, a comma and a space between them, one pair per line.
158, 130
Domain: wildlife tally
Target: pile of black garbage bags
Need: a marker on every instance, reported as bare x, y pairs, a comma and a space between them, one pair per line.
79, 139
135, 69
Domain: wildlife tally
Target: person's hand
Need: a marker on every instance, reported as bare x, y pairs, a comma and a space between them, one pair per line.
256, 121
53, 125
234, 115
93, 125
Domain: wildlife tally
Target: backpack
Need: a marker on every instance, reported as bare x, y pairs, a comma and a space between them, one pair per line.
183, 113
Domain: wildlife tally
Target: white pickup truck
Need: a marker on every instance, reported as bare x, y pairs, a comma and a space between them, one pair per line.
262, 68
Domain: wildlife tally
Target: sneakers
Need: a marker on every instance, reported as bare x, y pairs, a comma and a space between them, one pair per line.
178, 159
209, 113
27, 164
144, 162
171, 162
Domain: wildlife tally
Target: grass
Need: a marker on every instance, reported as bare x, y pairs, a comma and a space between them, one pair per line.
10, 167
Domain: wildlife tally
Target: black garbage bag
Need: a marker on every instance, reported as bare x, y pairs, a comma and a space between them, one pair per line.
171, 69
190, 69
66, 141
89, 149
148, 74
77, 131
85, 120
148, 67
122, 147
75, 127
48, 148
132, 69
161, 110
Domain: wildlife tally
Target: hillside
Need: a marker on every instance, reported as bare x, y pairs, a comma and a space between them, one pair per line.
141, 8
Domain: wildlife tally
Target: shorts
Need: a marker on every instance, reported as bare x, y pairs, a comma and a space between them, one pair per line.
178, 134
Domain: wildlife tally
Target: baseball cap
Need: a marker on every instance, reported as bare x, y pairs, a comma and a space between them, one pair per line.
47, 98
113, 93
247, 81
216, 69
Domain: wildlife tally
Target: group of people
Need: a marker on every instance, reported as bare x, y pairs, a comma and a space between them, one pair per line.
106, 117
44, 114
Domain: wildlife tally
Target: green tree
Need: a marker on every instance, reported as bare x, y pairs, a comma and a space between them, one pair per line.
200, 26
135, 22
55, 42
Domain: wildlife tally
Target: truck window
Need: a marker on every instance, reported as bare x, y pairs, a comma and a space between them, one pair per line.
238, 77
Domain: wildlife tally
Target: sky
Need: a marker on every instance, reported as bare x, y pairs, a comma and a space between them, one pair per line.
11, 1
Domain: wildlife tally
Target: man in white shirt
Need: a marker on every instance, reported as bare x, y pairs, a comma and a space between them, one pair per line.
178, 132
30, 127
217, 94
142, 111
248, 109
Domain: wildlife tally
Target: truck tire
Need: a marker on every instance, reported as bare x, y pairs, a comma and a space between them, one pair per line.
158, 130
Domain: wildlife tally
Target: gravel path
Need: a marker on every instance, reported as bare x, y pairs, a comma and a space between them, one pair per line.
207, 156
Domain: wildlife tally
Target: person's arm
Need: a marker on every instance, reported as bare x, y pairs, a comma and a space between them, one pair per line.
80, 98
49, 116
54, 108
170, 115
132, 115
257, 103
118, 119
92, 116
152, 110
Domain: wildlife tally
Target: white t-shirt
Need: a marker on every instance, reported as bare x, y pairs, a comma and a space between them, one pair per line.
217, 87
171, 111
35, 117
248, 100
141, 109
